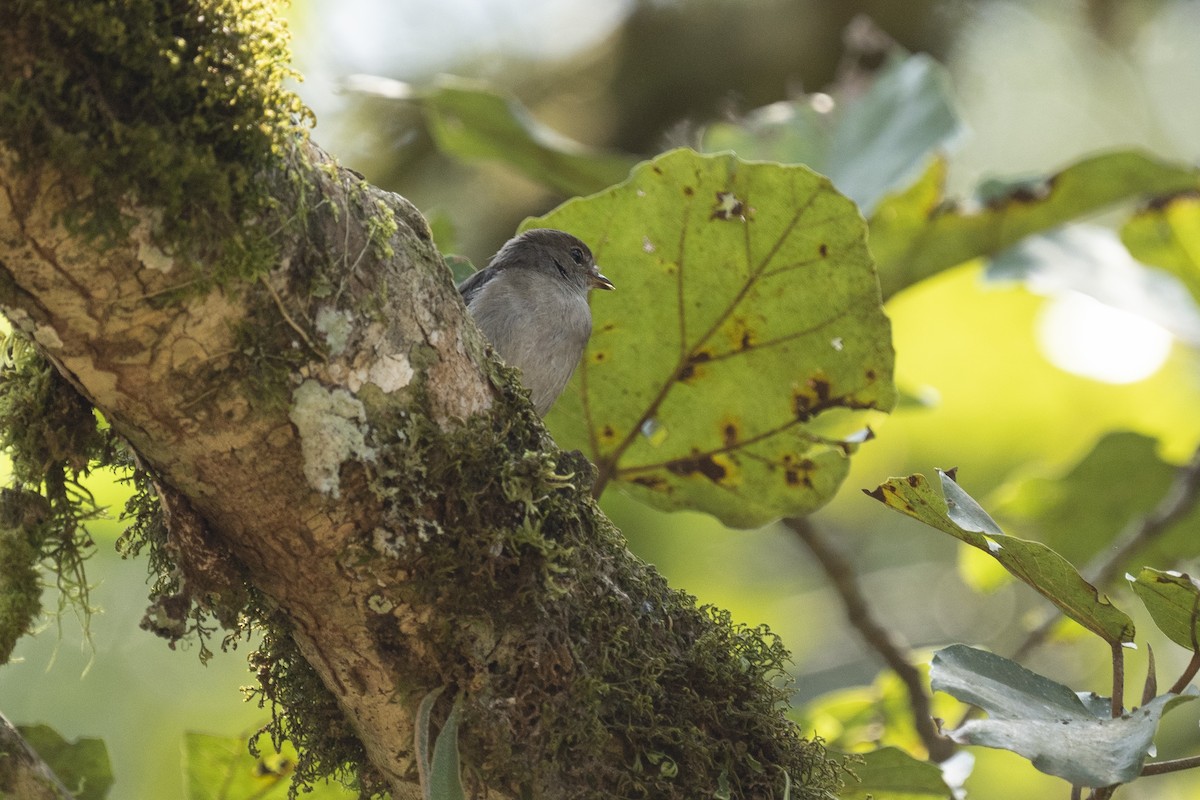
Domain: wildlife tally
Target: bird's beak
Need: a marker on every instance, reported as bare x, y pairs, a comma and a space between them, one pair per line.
598, 281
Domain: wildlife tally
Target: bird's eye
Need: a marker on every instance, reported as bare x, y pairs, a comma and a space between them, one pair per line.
577, 254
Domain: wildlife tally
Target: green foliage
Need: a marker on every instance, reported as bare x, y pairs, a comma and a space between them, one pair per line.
81, 765
221, 768
182, 113
746, 322
1047, 722
918, 232
52, 438
1166, 234
472, 121
1080, 510
891, 772
1037, 565
867, 146
1173, 600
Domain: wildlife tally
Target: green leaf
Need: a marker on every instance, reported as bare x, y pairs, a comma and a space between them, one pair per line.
1079, 512
82, 765
222, 768
445, 772
1037, 565
1045, 721
470, 121
890, 774
868, 145
1173, 600
916, 234
1167, 235
745, 323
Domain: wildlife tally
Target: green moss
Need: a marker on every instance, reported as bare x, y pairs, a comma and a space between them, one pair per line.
52, 438
178, 111
20, 589
529, 616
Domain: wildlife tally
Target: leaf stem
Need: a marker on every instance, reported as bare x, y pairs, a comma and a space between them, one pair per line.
1174, 765
841, 575
1189, 672
1118, 680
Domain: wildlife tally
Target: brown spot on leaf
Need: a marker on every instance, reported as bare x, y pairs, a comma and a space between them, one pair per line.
870, 375
730, 433
913, 481
652, 483
694, 360
822, 389
877, 493
823, 250
599, 356
705, 465
689, 191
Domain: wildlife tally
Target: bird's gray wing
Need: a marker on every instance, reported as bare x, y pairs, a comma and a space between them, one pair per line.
473, 283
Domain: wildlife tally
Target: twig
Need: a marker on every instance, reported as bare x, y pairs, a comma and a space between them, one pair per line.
288, 318
1174, 765
1188, 673
841, 575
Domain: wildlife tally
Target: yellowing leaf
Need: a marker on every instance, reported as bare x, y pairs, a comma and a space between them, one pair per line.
746, 321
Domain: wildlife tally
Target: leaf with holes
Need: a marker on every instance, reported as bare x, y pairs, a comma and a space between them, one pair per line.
745, 328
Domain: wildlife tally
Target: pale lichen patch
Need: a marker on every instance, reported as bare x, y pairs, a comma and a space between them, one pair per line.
331, 425
391, 372
47, 337
336, 326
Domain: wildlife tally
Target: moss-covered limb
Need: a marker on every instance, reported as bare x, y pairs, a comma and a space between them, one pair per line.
394, 509
178, 107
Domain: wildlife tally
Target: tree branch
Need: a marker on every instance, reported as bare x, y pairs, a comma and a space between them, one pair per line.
841, 575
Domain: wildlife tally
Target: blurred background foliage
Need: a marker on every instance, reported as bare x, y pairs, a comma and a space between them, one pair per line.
1063, 413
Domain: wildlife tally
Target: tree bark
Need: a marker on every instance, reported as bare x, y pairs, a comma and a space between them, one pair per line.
341, 461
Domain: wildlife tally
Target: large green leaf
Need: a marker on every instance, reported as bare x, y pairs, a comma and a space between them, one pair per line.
746, 317
1034, 563
1173, 600
867, 144
916, 233
471, 121
1045, 721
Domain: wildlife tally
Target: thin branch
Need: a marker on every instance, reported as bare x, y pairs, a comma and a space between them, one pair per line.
1188, 673
1175, 765
1180, 499
858, 611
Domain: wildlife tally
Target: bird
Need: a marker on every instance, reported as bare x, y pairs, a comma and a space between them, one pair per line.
531, 302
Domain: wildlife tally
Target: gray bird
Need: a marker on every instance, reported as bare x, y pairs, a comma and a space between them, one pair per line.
531, 301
